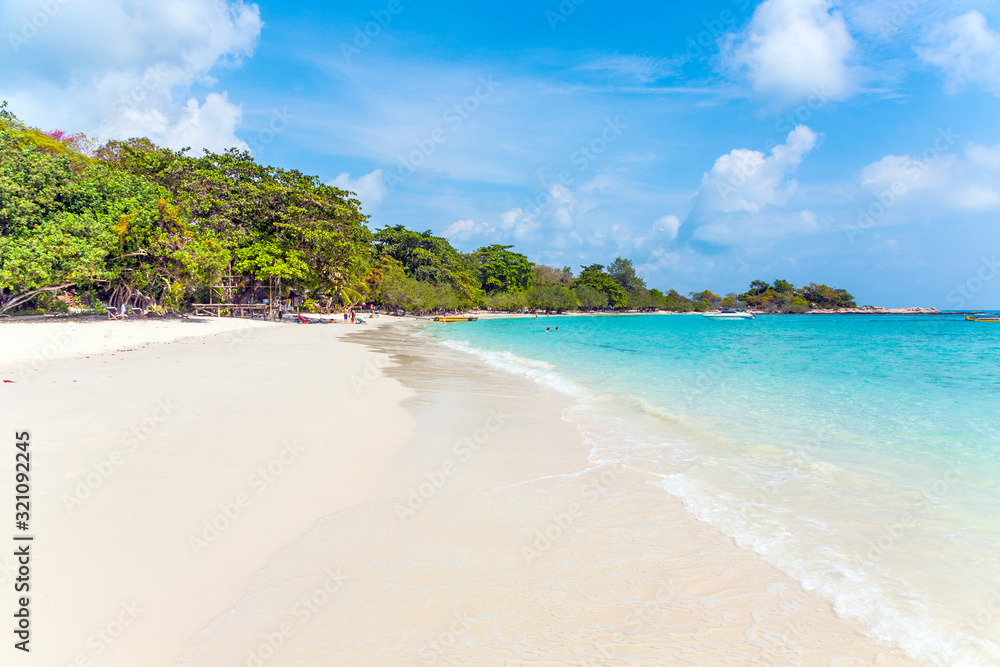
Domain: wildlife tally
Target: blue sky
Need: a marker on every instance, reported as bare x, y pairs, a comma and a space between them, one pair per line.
851, 143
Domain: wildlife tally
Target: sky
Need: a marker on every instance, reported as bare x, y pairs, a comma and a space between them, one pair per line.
855, 143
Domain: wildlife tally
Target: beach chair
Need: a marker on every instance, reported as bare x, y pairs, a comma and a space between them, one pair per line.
113, 314
306, 320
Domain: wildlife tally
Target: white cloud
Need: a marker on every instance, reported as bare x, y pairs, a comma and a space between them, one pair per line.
461, 230
967, 51
741, 228
984, 156
899, 188
904, 174
124, 68
669, 225
643, 69
370, 188
797, 48
744, 195
747, 181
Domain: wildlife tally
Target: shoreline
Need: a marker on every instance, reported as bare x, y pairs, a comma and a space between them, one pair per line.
512, 543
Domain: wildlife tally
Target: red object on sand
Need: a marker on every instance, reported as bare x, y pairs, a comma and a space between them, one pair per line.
10, 381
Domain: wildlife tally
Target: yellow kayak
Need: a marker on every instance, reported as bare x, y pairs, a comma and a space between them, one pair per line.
455, 319
982, 319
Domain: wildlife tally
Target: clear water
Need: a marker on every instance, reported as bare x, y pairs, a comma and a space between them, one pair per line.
859, 454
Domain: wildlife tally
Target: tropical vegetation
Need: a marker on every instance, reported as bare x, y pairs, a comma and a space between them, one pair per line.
131, 222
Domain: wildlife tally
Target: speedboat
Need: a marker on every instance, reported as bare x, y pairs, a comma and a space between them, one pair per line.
729, 315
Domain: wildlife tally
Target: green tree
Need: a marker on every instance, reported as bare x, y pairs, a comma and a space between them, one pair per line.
501, 270
552, 297
623, 273
590, 298
431, 259
595, 277
550, 275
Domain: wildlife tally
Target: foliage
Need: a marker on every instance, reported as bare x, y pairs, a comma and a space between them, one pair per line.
130, 221
431, 259
501, 270
549, 275
510, 302
590, 298
552, 298
784, 297
595, 277
623, 273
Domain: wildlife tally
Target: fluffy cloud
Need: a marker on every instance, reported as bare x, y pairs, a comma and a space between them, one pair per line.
462, 230
370, 188
796, 48
967, 51
668, 225
743, 195
747, 181
899, 187
125, 67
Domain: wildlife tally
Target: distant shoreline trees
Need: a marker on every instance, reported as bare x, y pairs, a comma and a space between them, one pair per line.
130, 222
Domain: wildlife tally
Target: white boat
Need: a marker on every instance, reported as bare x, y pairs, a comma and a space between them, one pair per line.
729, 315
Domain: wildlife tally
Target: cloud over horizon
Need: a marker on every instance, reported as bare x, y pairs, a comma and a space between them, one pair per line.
126, 68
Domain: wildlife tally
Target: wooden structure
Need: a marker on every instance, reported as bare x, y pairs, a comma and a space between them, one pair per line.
243, 297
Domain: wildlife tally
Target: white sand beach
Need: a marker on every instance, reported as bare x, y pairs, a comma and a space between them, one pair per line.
214, 492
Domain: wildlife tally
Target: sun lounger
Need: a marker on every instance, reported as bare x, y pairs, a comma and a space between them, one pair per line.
113, 314
305, 320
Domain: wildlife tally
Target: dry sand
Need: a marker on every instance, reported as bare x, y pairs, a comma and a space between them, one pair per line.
432, 511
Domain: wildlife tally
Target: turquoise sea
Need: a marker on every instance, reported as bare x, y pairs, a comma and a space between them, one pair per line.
858, 454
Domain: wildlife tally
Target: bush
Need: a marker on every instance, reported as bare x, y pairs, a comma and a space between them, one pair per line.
554, 297
589, 298
511, 302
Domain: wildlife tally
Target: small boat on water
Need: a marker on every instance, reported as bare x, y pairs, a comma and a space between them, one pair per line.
455, 318
729, 315
982, 319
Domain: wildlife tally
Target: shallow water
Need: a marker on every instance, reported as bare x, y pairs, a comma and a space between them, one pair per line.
856, 453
